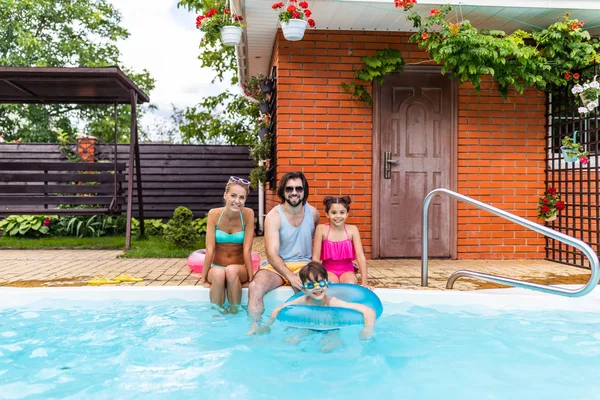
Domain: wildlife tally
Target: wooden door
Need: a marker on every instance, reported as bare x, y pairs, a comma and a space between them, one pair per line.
418, 128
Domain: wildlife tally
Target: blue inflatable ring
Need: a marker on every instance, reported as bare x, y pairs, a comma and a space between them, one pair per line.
328, 318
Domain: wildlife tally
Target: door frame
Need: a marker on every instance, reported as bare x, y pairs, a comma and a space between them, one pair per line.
376, 167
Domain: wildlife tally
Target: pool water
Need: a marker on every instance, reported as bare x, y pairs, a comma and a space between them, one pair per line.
181, 350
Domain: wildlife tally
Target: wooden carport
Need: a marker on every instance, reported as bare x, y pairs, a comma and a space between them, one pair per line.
65, 85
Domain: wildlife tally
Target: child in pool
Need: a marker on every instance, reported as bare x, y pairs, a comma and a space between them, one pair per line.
338, 244
314, 285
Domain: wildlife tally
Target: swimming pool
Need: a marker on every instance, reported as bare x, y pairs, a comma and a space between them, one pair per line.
164, 343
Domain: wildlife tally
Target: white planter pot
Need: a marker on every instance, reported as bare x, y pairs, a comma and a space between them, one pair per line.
231, 35
294, 30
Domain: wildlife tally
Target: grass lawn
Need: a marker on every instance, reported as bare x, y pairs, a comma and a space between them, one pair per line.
153, 247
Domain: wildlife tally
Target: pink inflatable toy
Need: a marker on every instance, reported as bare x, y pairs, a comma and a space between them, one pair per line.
196, 260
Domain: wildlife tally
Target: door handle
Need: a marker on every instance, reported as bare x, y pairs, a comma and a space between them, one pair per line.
387, 164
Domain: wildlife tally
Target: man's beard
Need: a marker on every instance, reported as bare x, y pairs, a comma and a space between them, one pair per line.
295, 202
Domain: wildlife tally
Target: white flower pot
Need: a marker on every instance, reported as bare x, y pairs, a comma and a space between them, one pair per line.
294, 30
231, 35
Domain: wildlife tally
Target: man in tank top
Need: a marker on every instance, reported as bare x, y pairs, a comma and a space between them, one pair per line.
289, 229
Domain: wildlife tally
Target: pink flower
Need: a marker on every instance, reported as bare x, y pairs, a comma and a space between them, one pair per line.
47, 222
584, 160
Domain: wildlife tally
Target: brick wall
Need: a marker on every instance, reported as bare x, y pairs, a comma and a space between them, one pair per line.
324, 133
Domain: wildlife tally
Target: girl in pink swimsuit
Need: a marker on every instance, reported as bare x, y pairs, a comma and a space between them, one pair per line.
337, 244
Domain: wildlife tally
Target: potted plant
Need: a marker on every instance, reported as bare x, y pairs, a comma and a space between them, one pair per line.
549, 205
573, 151
266, 85
263, 129
221, 24
292, 19
589, 93
252, 87
264, 107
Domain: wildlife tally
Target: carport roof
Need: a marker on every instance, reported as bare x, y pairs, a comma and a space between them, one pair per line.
67, 85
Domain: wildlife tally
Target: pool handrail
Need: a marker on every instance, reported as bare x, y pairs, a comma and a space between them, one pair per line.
569, 240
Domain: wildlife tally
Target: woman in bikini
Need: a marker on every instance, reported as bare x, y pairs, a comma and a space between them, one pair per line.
229, 235
337, 244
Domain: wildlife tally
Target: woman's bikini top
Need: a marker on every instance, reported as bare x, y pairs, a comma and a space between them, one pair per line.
224, 237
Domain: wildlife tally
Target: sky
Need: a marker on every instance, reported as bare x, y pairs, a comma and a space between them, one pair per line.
164, 40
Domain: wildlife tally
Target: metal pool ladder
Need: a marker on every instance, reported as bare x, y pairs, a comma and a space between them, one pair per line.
569, 240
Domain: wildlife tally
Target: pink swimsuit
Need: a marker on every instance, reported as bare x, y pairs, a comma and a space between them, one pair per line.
337, 256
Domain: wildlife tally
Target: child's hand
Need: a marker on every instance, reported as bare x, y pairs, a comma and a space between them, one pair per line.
367, 333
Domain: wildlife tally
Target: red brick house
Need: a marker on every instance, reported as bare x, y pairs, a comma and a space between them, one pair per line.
439, 134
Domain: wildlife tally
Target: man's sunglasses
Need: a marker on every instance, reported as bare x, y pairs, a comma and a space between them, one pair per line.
311, 285
236, 179
290, 189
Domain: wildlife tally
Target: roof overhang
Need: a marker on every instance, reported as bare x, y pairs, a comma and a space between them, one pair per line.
254, 55
65, 85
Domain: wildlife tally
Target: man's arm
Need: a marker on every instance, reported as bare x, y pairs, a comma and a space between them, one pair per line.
272, 225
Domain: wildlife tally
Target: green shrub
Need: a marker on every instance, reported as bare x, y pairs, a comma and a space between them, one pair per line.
180, 229
26, 225
154, 227
90, 226
200, 225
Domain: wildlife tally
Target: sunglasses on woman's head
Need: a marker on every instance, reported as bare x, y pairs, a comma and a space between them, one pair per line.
311, 285
236, 179
290, 189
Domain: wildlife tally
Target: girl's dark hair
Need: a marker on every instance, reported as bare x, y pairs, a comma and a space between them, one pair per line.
313, 270
344, 200
283, 183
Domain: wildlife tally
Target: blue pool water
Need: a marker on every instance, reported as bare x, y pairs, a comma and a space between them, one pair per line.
182, 350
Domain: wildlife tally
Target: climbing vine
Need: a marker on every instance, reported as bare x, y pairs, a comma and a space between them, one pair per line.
519, 60
375, 68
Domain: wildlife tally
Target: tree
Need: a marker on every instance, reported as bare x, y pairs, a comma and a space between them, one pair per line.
63, 33
228, 115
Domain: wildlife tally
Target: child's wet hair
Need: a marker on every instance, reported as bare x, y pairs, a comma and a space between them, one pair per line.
344, 200
313, 271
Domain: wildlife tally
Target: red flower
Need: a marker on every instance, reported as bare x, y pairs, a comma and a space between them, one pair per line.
434, 11
560, 205
551, 191
237, 18
568, 75
424, 35
580, 23
575, 76
296, 15
211, 12
275, 6
303, 4
226, 11
47, 222
308, 13
545, 209
311, 23
291, 8
199, 19
546, 200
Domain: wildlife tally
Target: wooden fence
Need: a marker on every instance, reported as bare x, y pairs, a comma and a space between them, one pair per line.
172, 175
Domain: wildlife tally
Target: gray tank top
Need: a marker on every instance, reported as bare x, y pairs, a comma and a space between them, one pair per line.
295, 244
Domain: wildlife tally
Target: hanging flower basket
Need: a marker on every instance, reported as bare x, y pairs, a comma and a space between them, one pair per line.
263, 133
573, 151
588, 94
266, 86
294, 29
292, 19
231, 35
569, 155
264, 107
549, 205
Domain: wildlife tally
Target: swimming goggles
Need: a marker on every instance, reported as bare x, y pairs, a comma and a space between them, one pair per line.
311, 285
236, 179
